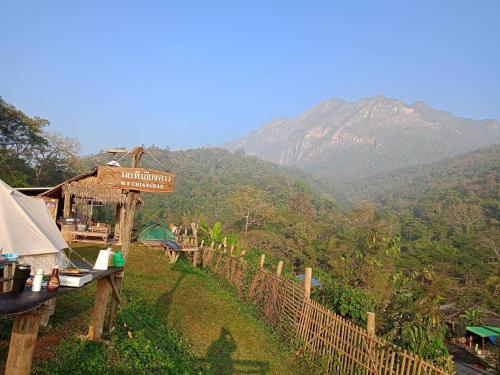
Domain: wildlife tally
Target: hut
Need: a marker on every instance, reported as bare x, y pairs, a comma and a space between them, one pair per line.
72, 202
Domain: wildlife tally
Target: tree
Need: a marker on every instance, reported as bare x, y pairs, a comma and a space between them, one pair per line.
57, 159
250, 204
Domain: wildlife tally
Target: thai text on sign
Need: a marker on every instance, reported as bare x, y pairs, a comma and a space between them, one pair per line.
140, 179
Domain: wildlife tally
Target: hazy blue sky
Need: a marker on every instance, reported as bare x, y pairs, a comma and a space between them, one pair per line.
187, 74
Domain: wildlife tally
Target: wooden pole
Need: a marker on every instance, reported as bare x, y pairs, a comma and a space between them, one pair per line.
370, 323
22, 343
195, 258
262, 260
99, 312
118, 216
67, 205
280, 268
128, 212
307, 283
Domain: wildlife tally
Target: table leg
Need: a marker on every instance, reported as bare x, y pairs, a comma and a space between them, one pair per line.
195, 258
99, 312
22, 343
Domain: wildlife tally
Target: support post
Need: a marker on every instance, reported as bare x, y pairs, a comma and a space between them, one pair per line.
99, 312
22, 343
195, 258
118, 216
128, 212
370, 323
280, 268
67, 205
307, 283
262, 260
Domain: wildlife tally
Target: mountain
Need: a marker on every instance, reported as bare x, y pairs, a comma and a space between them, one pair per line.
342, 140
472, 172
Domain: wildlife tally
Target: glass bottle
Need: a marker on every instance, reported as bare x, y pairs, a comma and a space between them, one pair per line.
53, 283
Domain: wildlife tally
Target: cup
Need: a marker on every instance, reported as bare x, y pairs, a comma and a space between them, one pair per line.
37, 281
21, 274
102, 261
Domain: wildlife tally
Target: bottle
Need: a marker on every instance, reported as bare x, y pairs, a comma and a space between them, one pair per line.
37, 281
53, 283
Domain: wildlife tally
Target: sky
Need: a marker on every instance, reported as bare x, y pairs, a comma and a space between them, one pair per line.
184, 74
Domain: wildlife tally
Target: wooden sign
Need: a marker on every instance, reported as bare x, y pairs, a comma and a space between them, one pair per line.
139, 179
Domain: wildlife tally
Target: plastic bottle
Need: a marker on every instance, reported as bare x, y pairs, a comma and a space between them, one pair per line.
37, 281
53, 283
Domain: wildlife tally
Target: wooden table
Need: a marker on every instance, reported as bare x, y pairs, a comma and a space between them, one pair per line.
90, 237
172, 254
28, 308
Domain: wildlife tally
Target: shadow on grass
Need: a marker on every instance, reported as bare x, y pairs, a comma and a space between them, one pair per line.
219, 358
164, 302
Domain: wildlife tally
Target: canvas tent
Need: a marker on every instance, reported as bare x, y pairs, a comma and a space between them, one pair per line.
27, 228
155, 231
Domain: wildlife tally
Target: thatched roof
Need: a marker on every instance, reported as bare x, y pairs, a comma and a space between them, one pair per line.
451, 313
86, 187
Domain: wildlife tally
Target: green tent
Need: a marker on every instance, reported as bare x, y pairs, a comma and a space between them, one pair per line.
155, 231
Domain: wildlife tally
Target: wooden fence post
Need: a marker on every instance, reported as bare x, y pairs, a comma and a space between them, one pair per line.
280, 268
370, 323
307, 283
262, 260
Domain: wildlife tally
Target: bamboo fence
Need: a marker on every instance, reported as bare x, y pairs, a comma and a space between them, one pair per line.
339, 345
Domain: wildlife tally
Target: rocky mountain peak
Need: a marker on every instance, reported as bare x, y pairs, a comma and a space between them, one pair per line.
374, 134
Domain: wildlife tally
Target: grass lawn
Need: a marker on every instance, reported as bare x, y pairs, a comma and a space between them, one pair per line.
176, 319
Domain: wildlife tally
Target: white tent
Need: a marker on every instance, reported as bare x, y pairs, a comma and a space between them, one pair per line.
27, 228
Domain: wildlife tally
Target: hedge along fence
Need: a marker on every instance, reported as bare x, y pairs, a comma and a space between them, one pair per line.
341, 346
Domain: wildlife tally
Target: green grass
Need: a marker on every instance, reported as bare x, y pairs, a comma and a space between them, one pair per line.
181, 320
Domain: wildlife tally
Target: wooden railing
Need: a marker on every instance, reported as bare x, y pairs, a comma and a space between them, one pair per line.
340, 346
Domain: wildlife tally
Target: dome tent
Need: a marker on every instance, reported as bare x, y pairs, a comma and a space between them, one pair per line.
154, 232
26, 228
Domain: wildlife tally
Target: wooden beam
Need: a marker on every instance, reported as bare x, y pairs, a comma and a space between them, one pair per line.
128, 211
67, 205
307, 283
118, 215
195, 258
116, 293
22, 343
99, 312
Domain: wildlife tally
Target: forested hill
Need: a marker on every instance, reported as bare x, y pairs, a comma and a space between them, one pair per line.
214, 183
473, 173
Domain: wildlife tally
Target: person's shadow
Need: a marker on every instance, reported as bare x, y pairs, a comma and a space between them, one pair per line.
219, 354
219, 359
164, 302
